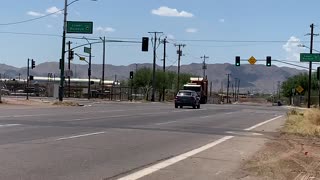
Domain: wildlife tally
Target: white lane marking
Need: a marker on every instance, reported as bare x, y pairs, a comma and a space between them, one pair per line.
82, 135
229, 113
171, 161
203, 117
187, 110
166, 123
260, 124
9, 125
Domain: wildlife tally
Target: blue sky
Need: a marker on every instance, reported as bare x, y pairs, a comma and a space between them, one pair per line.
182, 21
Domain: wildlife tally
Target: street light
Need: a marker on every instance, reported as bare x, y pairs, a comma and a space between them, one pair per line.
62, 60
89, 69
304, 46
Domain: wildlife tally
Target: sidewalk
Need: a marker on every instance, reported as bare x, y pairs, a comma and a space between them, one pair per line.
222, 161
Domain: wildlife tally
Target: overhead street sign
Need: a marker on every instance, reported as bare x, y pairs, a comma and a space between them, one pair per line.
80, 27
252, 60
87, 50
307, 57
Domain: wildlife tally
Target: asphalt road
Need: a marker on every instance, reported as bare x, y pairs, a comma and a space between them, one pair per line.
109, 140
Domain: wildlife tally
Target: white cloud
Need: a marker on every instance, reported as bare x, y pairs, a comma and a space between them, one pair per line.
170, 36
191, 30
55, 10
169, 12
292, 48
222, 20
33, 13
106, 29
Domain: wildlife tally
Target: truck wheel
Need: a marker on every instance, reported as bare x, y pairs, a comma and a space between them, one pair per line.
181, 107
194, 106
176, 106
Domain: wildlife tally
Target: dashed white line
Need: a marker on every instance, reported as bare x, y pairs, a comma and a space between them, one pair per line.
9, 125
166, 123
203, 117
82, 135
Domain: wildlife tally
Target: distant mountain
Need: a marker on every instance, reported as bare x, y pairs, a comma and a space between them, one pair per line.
258, 78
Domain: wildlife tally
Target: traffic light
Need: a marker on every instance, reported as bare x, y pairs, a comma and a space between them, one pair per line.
71, 55
91, 82
145, 44
318, 73
131, 74
237, 60
33, 64
268, 63
31, 78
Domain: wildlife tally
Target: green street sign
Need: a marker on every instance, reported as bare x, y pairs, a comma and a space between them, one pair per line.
87, 50
80, 27
307, 57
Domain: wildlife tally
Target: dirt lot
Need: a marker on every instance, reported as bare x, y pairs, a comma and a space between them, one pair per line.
289, 155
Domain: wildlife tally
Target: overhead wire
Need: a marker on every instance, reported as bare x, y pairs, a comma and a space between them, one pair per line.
29, 20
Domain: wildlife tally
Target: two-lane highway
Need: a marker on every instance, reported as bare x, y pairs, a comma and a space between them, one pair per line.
109, 140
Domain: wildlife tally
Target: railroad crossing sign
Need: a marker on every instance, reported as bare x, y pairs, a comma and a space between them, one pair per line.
252, 60
299, 89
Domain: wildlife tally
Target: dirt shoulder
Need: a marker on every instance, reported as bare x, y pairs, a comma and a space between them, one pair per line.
294, 154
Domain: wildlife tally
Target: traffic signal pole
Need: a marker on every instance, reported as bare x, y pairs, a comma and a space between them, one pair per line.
28, 74
69, 64
61, 87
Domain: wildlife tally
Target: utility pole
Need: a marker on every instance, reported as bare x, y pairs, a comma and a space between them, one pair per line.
310, 65
238, 89
222, 99
279, 90
232, 87
164, 67
103, 62
89, 73
28, 74
154, 64
235, 88
210, 88
204, 66
179, 52
69, 67
228, 84
61, 87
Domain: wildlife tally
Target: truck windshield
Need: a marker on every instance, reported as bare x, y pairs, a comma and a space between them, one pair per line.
192, 88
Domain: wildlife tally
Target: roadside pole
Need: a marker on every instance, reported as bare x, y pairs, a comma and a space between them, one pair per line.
28, 74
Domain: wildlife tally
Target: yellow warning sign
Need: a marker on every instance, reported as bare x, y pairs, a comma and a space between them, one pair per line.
300, 89
252, 60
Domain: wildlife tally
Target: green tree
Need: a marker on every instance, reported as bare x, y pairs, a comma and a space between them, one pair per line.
143, 79
298, 80
168, 80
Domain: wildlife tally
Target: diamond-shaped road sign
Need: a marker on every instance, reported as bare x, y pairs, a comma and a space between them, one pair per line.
252, 60
299, 89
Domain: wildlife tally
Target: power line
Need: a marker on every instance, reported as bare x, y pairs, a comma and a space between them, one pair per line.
240, 41
29, 20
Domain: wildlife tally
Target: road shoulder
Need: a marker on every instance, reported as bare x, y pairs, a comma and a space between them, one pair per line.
223, 160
